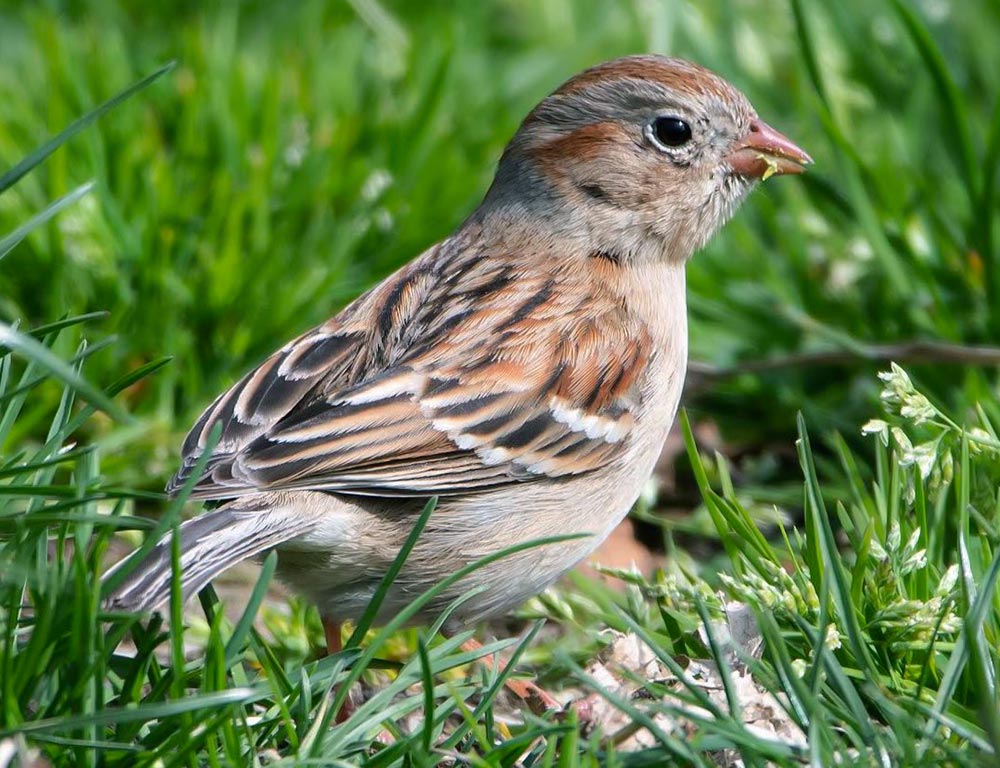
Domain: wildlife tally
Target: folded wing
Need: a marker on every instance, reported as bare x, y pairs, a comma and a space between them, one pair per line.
450, 378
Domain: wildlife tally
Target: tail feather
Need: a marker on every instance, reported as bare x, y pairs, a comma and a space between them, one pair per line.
210, 543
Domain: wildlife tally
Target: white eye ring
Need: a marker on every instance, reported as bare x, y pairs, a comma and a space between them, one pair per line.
669, 132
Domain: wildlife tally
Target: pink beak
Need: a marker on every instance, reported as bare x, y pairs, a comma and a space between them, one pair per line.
764, 152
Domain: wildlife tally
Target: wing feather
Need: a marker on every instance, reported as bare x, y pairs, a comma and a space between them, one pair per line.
434, 384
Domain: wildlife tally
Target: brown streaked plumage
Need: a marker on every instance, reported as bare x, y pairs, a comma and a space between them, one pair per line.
525, 370
675, 74
434, 392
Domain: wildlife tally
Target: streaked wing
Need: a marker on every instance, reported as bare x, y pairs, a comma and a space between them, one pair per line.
475, 379
286, 381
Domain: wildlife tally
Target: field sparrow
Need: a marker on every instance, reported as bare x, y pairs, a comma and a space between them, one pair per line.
525, 370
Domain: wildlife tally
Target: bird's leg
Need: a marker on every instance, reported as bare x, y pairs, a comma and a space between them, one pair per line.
334, 641
538, 699
335, 644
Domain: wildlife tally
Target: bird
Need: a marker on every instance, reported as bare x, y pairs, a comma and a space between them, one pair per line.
524, 371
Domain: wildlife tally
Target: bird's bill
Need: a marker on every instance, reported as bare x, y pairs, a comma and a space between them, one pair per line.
764, 152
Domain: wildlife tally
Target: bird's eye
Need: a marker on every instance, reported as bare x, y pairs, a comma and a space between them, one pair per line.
670, 131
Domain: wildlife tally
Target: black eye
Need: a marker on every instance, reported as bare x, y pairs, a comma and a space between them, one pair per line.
671, 131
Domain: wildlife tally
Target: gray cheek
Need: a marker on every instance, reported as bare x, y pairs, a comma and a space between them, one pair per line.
653, 185
718, 140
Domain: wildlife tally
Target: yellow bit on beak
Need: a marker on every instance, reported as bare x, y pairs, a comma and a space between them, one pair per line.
772, 166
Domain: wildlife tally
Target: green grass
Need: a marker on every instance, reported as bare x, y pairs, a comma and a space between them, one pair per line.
291, 158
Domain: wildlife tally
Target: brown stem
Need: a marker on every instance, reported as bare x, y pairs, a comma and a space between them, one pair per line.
702, 376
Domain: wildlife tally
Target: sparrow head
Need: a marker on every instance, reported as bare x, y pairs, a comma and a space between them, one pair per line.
644, 156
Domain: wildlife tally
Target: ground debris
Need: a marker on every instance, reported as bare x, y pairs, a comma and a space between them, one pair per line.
15, 753
626, 667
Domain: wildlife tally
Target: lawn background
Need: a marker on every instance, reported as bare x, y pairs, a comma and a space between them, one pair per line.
296, 154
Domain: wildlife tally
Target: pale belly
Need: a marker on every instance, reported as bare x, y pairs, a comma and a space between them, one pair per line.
341, 565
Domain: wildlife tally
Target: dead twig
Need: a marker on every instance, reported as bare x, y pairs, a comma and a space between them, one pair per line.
702, 376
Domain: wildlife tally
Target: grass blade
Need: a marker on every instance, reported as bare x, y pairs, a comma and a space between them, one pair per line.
10, 241
242, 629
13, 175
951, 97
45, 359
371, 610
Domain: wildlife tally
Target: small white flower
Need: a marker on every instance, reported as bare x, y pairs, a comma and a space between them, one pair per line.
877, 552
947, 468
981, 440
936, 11
860, 249
650, 491
884, 31
298, 142
897, 385
877, 427
378, 181
911, 543
922, 456
800, 667
383, 220
902, 441
814, 224
894, 537
917, 239
915, 562
917, 408
843, 276
832, 639
947, 583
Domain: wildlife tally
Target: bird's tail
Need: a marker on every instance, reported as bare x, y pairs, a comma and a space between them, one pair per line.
210, 543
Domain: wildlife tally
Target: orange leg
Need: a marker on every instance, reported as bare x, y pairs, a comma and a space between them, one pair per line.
335, 644
334, 641
538, 699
